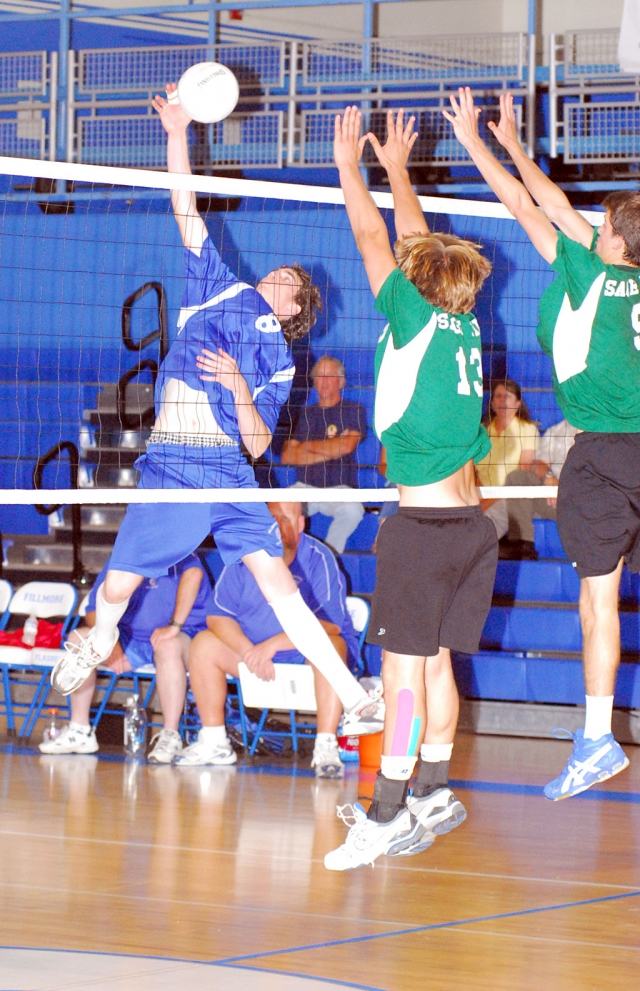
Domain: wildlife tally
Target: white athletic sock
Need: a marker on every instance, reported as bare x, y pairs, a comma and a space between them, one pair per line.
397, 768
108, 615
598, 716
433, 753
80, 727
309, 637
215, 735
326, 740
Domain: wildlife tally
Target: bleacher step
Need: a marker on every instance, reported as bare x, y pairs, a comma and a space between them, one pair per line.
111, 457
54, 556
493, 718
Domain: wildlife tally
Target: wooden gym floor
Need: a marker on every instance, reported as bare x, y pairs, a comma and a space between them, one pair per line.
119, 876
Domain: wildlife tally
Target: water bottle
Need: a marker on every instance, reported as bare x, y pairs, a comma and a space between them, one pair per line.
135, 727
30, 631
52, 727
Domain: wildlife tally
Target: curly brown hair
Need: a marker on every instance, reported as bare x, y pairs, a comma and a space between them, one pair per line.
624, 212
445, 269
310, 302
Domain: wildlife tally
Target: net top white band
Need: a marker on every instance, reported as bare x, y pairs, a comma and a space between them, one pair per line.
221, 186
82, 497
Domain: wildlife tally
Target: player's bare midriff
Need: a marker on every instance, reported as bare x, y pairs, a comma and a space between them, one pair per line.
457, 490
186, 411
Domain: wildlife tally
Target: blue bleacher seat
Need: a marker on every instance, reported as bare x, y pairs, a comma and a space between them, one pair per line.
537, 581
362, 537
522, 629
547, 540
515, 678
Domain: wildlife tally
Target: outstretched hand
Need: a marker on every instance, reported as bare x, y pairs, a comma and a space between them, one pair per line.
465, 117
400, 140
347, 141
172, 116
506, 130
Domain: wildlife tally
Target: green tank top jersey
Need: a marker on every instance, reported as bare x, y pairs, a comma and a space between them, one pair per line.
590, 327
428, 386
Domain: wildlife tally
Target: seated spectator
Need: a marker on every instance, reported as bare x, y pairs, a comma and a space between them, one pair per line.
515, 516
162, 616
514, 437
242, 627
323, 445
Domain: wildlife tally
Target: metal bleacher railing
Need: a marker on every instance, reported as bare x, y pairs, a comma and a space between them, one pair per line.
289, 92
28, 88
599, 120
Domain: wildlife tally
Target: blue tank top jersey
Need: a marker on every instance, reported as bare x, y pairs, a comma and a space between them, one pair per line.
218, 311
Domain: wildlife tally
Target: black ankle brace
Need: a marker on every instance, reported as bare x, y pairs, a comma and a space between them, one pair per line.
389, 797
431, 776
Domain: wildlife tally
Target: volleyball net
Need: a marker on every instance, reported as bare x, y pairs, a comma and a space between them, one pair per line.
91, 281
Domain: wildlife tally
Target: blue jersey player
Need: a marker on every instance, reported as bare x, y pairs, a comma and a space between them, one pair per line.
223, 381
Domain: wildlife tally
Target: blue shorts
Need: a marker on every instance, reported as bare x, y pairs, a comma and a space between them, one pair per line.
138, 652
155, 536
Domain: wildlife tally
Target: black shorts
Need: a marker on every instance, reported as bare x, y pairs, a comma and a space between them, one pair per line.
434, 580
599, 503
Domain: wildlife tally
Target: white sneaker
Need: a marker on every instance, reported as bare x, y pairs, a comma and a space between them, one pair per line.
437, 813
168, 743
326, 760
206, 753
367, 839
80, 659
71, 740
367, 716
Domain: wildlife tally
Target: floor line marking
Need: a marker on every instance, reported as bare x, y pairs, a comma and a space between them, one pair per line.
547, 939
493, 787
227, 906
186, 960
438, 925
61, 837
506, 788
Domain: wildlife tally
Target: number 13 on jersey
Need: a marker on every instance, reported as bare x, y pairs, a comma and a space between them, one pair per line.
475, 361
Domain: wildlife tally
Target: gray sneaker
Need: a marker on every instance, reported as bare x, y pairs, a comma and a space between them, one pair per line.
326, 760
71, 740
168, 744
206, 753
437, 814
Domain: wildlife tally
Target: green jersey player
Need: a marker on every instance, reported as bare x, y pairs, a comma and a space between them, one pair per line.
436, 558
590, 327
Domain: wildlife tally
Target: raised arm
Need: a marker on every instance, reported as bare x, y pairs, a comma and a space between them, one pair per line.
175, 122
368, 227
393, 156
507, 188
552, 200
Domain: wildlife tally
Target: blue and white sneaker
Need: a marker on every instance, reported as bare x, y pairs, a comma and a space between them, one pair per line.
591, 761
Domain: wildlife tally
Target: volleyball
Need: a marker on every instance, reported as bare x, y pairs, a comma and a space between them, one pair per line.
208, 92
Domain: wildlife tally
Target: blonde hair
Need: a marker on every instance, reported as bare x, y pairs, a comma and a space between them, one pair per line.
446, 270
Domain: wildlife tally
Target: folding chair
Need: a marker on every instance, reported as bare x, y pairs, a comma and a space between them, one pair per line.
292, 691
44, 600
358, 610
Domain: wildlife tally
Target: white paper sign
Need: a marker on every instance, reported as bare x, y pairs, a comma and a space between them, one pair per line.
629, 45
